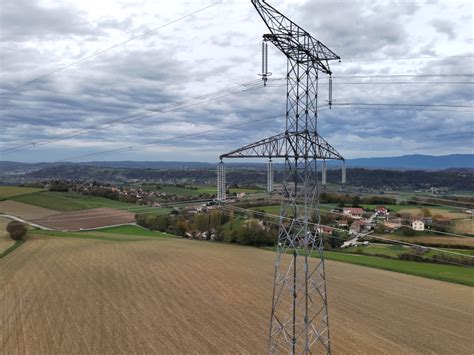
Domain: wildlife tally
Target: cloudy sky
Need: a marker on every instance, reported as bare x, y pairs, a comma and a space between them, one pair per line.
127, 96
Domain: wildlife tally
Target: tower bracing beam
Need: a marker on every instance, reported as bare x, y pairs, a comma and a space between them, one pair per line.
299, 316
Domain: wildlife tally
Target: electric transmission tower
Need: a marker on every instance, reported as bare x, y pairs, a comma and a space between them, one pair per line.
299, 315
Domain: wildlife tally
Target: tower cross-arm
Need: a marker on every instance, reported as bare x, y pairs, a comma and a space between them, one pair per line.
296, 43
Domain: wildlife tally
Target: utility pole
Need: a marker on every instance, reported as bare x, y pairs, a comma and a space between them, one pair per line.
299, 315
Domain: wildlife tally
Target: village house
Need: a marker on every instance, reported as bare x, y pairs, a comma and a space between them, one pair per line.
354, 212
343, 223
381, 211
324, 230
418, 225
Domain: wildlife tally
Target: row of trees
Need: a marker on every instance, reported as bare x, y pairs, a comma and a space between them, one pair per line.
355, 201
220, 226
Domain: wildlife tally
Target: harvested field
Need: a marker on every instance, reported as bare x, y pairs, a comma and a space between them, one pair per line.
435, 239
24, 210
170, 296
464, 226
434, 212
87, 219
5, 240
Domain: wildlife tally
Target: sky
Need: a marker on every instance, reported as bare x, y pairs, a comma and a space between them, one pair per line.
114, 101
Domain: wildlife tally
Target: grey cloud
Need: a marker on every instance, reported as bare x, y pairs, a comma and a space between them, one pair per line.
445, 27
353, 31
23, 20
161, 69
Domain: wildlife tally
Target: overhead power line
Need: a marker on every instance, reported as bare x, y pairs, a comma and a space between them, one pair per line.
173, 107
167, 140
108, 49
470, 75
470, 55
401, 105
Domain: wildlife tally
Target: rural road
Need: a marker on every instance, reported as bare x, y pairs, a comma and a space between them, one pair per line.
24, 221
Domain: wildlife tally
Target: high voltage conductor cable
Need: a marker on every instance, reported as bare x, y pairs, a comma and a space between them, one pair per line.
343, 230
402, 104
327, 211
109, 48
264, 214
192, 135
409, 58
251, 85
403, 83
404, 76
406, 200
368, 235
400, 109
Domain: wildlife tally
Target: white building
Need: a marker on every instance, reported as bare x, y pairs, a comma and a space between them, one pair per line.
418, 225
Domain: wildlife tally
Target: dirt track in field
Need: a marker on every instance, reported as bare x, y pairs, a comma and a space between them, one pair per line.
170, 296
24, 210
86, 219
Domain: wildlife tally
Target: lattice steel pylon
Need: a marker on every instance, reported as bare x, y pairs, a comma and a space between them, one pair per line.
299, 316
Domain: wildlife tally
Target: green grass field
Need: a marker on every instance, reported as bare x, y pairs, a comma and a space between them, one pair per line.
11, 191
275, 209
449, 273
133, 231
68, 201
392, 251
201, 189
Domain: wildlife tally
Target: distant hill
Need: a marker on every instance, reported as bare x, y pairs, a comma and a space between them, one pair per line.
406, 162
416, 162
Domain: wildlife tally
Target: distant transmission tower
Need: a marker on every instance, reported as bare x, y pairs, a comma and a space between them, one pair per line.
299, 316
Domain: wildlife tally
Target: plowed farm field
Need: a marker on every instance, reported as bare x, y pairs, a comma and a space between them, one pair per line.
86, 219
173, 296
24, 210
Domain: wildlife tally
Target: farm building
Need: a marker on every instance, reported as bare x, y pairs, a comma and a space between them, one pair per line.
418, 225
324, 230
354, 212
381, 210
343, 223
